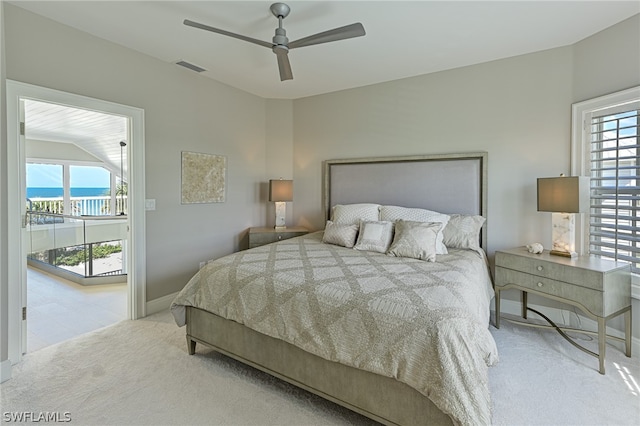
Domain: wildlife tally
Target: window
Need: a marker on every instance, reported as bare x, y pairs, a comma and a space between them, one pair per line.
90, 190
45, 185
62, 187
606, 148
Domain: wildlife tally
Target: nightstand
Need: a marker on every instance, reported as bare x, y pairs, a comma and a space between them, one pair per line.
600, 288
261, 236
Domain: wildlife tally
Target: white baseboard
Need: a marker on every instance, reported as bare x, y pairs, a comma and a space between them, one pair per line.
568, 318
160, 304
5, 370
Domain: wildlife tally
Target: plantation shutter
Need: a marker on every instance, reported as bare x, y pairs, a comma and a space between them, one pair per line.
614, 225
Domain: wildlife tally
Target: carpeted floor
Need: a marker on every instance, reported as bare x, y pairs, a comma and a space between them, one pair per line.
138, 372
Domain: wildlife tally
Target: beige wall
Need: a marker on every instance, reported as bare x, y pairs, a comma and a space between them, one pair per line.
47, 150
516, 109
279, 153
183, 112
608, 61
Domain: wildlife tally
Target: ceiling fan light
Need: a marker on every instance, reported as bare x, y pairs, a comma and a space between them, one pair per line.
279, 48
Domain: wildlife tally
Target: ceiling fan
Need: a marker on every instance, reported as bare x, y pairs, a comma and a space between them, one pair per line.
280, 43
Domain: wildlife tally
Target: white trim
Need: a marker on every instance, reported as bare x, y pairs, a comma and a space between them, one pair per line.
580, 113
160, 304
5, 370
136, 263
66, 186
560, 316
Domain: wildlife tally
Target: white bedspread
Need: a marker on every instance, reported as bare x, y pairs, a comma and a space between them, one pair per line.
422, 323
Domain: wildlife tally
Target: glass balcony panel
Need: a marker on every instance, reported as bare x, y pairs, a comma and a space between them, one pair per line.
86, 246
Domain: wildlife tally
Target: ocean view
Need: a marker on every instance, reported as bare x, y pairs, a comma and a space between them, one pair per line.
36, 192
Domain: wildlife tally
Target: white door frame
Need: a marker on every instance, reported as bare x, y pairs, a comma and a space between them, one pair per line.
136, 261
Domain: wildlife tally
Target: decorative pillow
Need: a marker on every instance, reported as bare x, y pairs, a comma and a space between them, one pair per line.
415, 239
463, 231
352, 214
374, 236
340, 235
394, 213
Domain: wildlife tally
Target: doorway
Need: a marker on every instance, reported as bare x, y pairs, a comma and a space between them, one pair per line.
76, 240
135, 222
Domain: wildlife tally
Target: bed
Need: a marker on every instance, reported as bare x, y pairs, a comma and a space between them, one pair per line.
401, 339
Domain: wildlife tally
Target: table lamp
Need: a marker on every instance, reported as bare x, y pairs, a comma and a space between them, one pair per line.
563, 196
280, 191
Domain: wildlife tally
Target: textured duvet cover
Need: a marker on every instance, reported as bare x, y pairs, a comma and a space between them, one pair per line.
422, 323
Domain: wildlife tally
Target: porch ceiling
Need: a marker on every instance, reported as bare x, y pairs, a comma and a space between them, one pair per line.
95, 132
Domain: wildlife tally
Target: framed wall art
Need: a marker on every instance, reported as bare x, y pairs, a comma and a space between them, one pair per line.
203, 178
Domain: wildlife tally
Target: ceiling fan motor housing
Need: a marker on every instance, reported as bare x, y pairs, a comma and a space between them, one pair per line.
280, 39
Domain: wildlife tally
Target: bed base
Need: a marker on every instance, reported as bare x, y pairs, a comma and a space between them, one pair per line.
380, 398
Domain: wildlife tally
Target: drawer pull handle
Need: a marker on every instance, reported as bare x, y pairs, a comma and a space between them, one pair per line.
539, 268
540, 284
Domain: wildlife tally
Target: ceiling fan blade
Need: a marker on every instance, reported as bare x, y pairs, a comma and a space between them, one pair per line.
283, 64
227, 33
341, 33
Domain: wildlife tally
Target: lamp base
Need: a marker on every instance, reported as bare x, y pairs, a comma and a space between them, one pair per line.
281, 209
569, 254
563, 235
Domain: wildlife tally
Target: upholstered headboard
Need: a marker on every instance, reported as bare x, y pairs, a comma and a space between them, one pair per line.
446, 183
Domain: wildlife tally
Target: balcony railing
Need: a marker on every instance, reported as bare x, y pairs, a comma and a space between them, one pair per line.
78, 247
80, 206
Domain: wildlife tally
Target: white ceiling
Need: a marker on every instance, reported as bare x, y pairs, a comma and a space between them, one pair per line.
404, 38
97, 133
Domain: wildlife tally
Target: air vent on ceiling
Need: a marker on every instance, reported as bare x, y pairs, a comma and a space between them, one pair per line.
192, 67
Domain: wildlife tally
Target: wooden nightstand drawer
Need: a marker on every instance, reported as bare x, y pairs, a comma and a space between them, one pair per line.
559, 269
261, 236
592, 300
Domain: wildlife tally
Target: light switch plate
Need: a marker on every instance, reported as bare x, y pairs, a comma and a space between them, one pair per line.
150, 204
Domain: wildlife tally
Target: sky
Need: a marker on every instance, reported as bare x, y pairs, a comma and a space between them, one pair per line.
50, 176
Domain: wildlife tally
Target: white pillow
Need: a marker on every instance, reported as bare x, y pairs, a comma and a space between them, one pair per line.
415, 239
341, 235
394, 213
463, 231
374, 236
352, 214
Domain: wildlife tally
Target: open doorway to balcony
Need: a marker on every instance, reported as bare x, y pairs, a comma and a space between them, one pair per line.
133, 167
76, 220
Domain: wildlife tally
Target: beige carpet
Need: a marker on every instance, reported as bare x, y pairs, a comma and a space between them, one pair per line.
138, 372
